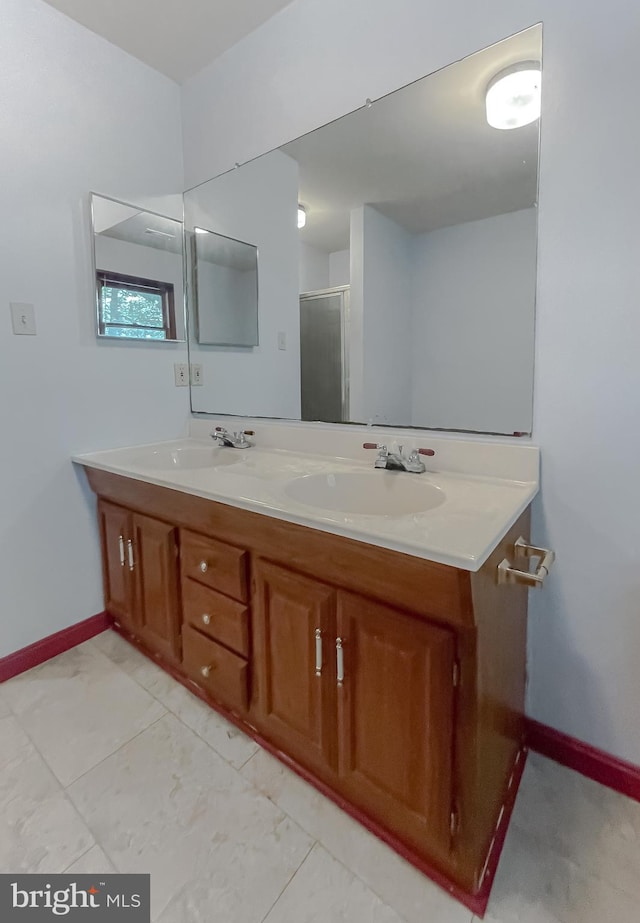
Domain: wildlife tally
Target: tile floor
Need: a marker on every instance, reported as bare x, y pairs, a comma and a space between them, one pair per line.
106, 763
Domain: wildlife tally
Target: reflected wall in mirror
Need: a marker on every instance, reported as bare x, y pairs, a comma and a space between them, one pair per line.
138, 267
225, 290
425, 215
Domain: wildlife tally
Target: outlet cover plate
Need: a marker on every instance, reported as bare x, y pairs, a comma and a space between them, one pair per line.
23, 318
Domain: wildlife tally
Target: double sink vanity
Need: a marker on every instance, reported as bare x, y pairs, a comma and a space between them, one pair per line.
358, 607
366, 625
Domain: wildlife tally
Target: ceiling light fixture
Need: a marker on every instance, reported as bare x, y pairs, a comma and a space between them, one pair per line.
302, 216
513, 96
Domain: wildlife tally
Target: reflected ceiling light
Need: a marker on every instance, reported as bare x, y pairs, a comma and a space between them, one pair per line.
302, 216
513, 96
201, 231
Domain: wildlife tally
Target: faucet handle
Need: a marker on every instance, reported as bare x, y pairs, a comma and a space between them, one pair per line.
426, 452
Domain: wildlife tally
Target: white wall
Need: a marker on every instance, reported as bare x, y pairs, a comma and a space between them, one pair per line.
473, 301
145, 262
280, 82
76, 115
339, 268
314, 268
257, 204
381, 291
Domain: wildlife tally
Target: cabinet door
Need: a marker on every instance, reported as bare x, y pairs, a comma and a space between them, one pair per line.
395, 710
115, 529
156, 585
295, 702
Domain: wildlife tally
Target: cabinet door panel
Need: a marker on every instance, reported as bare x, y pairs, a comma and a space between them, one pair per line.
156, 587
296, 705
115, 528
396, 717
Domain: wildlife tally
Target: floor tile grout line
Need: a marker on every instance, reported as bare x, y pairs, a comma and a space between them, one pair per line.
85, 853
176, 715
314, 843
366, 883
324, 846
62, 790
117, 750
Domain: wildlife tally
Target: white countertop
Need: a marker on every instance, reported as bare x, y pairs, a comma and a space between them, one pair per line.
462, 531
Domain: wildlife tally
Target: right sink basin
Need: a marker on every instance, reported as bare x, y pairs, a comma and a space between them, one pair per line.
369, 493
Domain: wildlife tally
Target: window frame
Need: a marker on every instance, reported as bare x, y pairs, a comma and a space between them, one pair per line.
107, 278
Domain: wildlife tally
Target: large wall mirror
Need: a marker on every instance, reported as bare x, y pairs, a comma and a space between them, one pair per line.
397, 257
138, 264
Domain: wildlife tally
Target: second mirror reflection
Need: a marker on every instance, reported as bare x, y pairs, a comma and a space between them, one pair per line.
225, 290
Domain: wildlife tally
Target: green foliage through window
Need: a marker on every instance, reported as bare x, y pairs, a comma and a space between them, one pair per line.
135, 308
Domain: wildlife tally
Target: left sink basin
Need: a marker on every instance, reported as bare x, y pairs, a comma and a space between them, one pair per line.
182, 458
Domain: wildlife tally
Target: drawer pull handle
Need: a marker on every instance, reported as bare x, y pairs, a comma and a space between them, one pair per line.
509, 574
318, 652
204, 567
206, 618
121, 543
206, 671
131, 558
339, 661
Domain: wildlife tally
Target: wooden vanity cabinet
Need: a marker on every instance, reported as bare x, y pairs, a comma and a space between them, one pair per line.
394, 684
140, 571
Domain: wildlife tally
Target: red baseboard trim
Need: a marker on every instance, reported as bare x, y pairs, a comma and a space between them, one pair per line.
615, 773
49, 647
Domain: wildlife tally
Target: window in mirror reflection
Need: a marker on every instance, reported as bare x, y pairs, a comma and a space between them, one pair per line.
135, 308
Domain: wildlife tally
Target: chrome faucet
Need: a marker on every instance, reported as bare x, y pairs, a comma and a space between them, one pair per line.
234, 440
398, 461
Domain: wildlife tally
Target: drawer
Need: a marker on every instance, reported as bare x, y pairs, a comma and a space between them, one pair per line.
216, 616
224, 675
219, 566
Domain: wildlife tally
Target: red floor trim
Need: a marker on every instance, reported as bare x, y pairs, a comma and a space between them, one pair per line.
615, 773
49, 647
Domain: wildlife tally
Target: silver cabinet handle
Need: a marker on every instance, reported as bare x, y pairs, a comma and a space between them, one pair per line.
204, 567
318, 652
130, 550
339, 661
205, 671
509, 574
206, 618
121, 543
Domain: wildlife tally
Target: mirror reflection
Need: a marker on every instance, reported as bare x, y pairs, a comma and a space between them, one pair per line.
397, 257
138, 271
225, 292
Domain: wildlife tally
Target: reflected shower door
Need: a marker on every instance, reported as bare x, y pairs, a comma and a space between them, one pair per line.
324, 380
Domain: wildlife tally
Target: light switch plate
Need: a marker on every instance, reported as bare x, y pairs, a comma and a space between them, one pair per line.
282, 339
196, 374
23, 318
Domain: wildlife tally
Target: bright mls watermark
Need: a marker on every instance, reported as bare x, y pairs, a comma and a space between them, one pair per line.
36, 898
